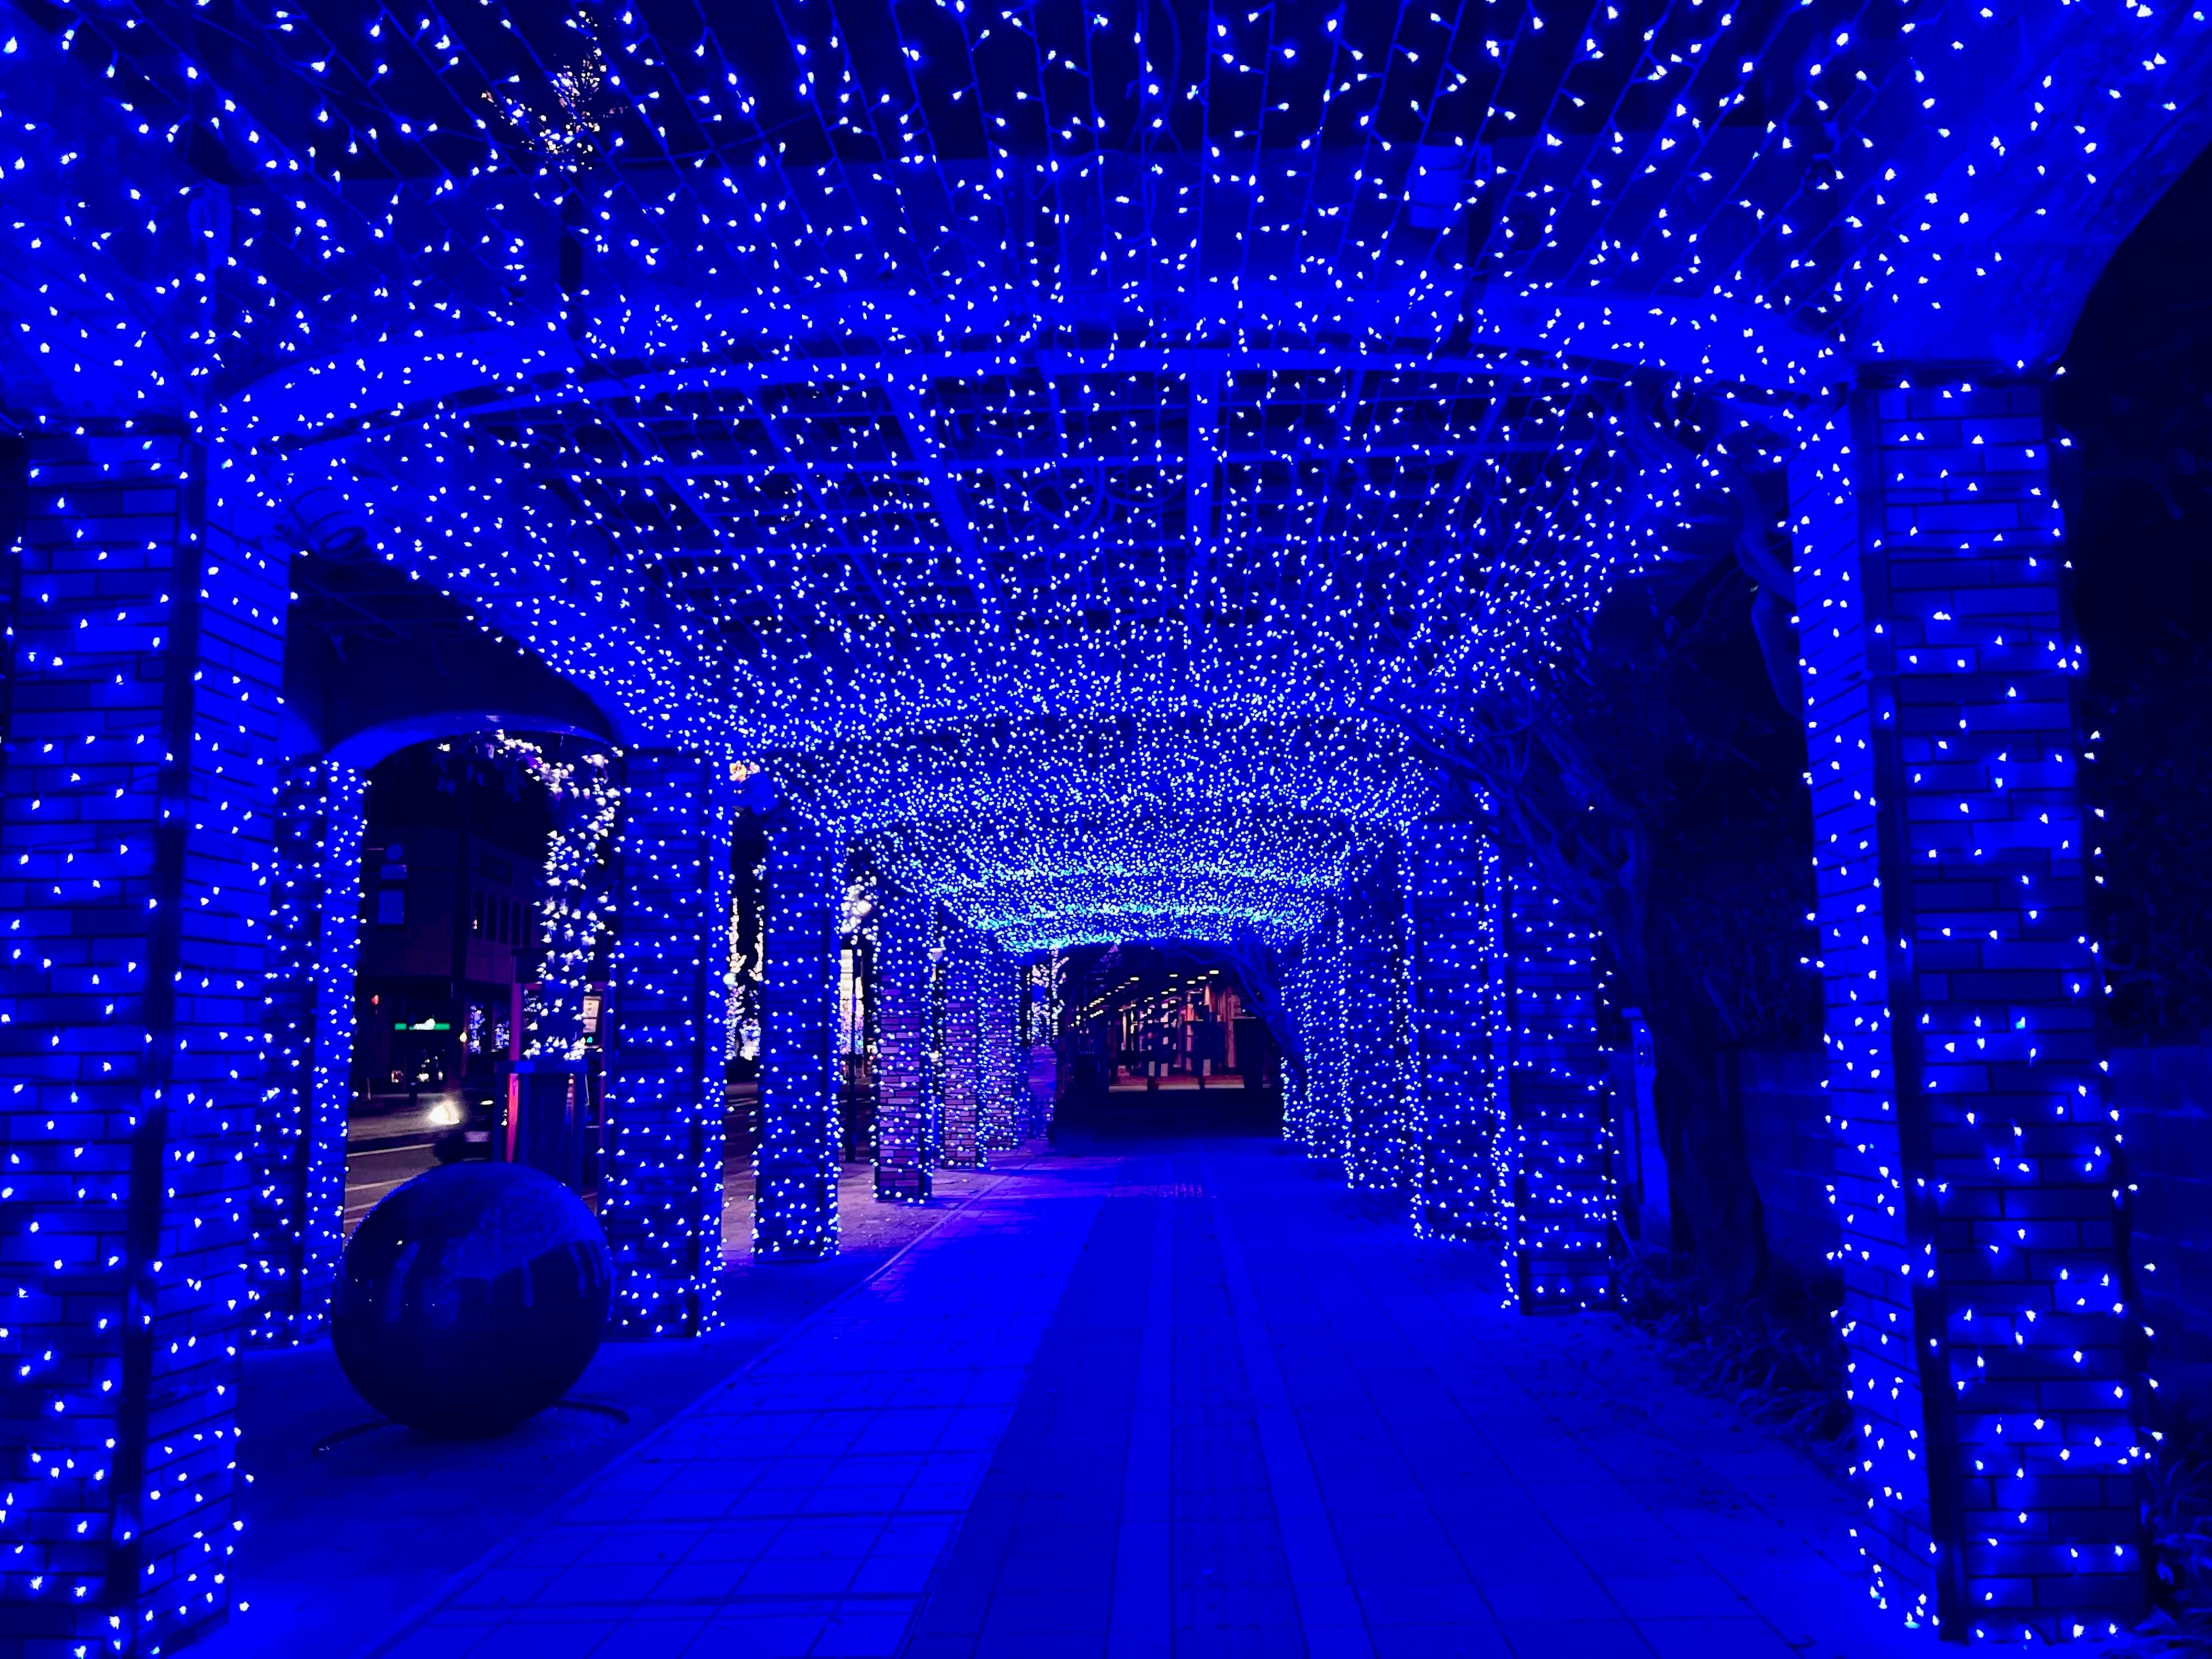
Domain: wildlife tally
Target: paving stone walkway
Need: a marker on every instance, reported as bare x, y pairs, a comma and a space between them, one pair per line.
1190, 1400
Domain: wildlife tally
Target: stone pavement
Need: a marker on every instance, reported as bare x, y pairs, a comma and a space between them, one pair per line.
350, 1524
1192, 1400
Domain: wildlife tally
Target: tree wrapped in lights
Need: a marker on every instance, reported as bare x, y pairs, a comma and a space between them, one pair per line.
576, 914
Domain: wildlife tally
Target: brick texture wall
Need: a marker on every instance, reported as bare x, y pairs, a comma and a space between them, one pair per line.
796, 1165
145, 656
963, 1142
1379, 1149
1978, 1218
661, 1190
1320, 1119
1459, 1113
999, 993
300, 1141
905, 1154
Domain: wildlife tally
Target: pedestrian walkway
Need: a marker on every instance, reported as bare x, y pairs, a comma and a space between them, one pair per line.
1190, 1400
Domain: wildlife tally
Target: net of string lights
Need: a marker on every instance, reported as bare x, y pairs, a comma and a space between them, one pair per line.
1253, 386
1046, 833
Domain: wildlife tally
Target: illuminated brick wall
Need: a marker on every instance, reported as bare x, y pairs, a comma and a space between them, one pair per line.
796, 1165
904, 1138
1037, 1054
135, 856
1318, 1118
661, 1190
999, 993
1458, 1114
1298, 1085
300, 1140
1978, 1210
1379, 1149
960, 1055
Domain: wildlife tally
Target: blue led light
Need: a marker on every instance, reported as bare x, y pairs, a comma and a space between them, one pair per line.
300, 1139
1095, 496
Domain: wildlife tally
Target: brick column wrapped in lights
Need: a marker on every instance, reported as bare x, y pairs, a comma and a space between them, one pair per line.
1319, 1007
795, 1203
1460, 1121
1378, 1145
961, 1058
998, 1013
661, 1190
904, 1136
1981, 1221
934, 1031
299, 1135
145, 663
1038, 1054
1297, 1091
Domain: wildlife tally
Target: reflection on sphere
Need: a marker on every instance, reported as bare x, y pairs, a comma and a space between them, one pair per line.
471, 1298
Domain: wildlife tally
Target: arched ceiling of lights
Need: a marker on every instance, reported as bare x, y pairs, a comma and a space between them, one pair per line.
1074, 444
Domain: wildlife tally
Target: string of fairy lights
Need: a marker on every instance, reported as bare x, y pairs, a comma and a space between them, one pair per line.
1046, 834
434, 142
1070, 450
576, 914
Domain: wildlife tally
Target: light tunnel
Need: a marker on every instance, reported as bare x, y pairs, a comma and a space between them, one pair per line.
916, 564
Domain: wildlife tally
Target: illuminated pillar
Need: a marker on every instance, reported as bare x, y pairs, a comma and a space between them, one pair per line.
1458, 1126
1317, 1122
960, 1057
1557, 1088
905, 1138
998, 1013
1379, 1153
1038, 1045
661, 1189
795, 1196
299, 1135
1297, 1094
1981, 1223
145, 661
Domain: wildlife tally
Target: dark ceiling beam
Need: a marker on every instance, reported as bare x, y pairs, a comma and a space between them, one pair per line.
1318, 455
512, 372
905, 394
857, 558
1208, 381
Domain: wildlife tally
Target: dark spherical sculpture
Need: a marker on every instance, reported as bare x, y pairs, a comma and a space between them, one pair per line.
471, 1298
